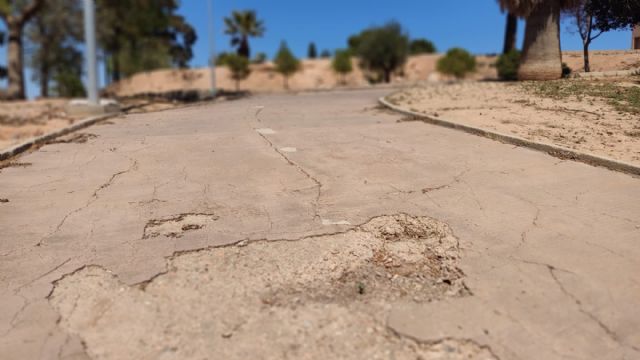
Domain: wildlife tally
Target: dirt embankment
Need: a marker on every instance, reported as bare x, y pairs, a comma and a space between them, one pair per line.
318, 75
598, 117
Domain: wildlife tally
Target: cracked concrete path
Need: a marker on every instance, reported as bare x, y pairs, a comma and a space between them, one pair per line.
549, 249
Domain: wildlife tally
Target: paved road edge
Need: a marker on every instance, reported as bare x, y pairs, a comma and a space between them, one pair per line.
43, 139
553, 150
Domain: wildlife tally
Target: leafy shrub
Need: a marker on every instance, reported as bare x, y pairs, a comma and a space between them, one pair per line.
68, 84
260, 58
457, 62
508, 65
221, 59
566, 70
421, 46
342, 63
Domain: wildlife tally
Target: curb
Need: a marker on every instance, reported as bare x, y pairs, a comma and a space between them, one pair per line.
43, 139
553, 150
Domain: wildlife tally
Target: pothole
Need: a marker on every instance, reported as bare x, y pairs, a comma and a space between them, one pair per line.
177, 225
316, 298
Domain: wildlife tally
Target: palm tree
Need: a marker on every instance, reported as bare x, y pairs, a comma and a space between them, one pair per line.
541, 56
242, 25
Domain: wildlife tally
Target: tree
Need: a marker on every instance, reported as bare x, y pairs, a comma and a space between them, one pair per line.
592, 18
15, 15
242, 25
52, 46
510, 33
421, 46
457, 62
342, 63
541, 56
382, 49
286, 63
325, 54
142, 35
312, 52
239, 67
223, 58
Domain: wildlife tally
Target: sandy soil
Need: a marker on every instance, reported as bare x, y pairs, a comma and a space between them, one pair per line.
603, 60
577, 122
20, 120
317, 298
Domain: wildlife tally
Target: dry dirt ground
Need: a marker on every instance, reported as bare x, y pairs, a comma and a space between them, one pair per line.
20, 120
312, 226
601, 118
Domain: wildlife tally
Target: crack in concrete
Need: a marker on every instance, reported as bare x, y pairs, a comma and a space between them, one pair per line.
534, 224
590, 315
94, 198
318, 184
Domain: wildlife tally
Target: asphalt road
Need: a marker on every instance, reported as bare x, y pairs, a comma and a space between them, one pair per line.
550, 249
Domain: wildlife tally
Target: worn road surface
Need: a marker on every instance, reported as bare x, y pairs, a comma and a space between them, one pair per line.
312, 226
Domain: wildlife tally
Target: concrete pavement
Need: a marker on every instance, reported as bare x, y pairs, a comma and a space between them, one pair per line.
549, 249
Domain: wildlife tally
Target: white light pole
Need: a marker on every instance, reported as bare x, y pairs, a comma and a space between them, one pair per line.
212, 49
90, 51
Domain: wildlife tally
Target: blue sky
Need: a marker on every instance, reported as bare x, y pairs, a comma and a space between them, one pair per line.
476, 25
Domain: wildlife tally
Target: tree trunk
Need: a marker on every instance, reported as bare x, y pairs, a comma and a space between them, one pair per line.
44, 80
510, 33
15, 61
541, 56
243, 49
115, 64
387, 76
587, 64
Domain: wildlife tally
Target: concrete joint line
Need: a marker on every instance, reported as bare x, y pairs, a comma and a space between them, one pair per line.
553, 150
43, 139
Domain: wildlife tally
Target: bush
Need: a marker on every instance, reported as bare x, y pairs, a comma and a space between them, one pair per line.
260, 58
286, 63
68, 84
566, 70
421, 46
508, 65
325, 54
382, 49
457, 62
239, 67
342, 63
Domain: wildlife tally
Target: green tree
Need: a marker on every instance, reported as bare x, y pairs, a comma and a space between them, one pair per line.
325, 54
592, 18
142, 35
421, 46
312, 52
541, 56
286, 63
52, 44
342, 63
241, 26
222, 58
16, 14
457, 62
382, 49
239, 67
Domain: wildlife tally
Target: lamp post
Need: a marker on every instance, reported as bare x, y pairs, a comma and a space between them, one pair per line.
212, 50
90, 51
